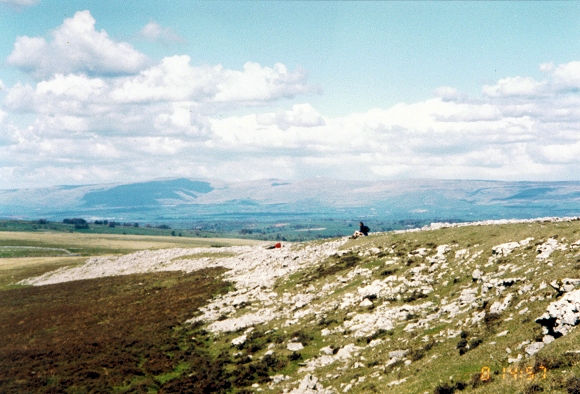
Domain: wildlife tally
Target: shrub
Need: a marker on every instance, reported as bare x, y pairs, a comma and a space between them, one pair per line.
573, 385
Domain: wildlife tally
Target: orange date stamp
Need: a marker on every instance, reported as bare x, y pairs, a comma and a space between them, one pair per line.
516, 373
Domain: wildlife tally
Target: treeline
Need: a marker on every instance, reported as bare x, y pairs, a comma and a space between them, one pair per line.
80, 223
115, 224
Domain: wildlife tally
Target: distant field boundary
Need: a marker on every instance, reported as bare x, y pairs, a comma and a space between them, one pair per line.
68, 252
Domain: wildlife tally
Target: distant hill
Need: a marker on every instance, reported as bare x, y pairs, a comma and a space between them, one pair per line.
384, 203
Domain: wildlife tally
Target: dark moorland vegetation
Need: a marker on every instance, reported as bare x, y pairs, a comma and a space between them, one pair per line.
116, 334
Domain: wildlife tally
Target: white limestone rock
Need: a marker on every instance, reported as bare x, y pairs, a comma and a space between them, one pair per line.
504, 250
498, 307
366, 303
566, 284
294, 346
238, 341
311, 385
562, 315
476, 274
327, 350
534, 348
546, 249
548, 339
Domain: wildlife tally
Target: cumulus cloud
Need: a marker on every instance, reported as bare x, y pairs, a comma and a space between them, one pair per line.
75, 47
174, 79
257, 83
567, 75
172, 97
514, 86
153, 31
301, 115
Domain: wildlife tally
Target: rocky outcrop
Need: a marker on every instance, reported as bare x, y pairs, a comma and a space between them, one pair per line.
562, 315
311, 385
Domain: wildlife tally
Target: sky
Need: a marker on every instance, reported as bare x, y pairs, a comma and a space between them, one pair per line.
108, 91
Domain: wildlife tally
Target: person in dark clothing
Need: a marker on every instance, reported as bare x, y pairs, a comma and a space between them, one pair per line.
364, 229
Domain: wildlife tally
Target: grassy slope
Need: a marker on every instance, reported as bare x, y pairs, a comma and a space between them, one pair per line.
436, 362
432, 371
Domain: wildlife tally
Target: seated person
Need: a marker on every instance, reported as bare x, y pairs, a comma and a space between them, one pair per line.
363, 231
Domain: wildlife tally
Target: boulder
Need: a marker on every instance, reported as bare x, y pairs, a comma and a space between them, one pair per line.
294, 346
562, 315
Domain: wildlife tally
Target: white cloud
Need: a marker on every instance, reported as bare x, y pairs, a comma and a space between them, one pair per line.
447, 93
161, 122
256, 83
301, 115
153, 31
567, 75
514, 86
75, 47
174, 79
170, 98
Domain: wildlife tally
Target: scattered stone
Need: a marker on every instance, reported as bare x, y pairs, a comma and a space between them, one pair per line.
439, 256
512, 360
498, 307
562, 315
343, 354
276, 379
327, 350
239, 340
375, 342
366, 303
421, 252
294, 346
504, 250
310, 385
476, 275
534, 348
244, 321
546, 249
548, 339
564, 285
396, 355
524, 343
397, 382
468, 296
525, 289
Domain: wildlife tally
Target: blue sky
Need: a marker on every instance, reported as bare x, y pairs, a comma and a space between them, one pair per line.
244, 90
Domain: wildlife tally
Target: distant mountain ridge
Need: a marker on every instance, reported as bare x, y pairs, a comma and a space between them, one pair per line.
183, 199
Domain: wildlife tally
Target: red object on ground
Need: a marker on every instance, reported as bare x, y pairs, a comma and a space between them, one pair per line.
278, 245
